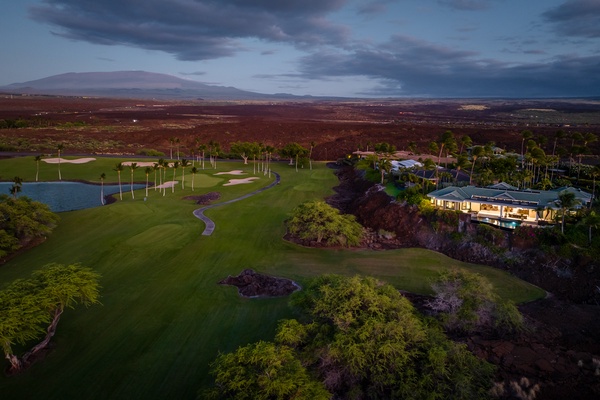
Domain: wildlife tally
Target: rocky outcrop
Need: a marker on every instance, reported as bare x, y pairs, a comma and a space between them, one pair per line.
252, 284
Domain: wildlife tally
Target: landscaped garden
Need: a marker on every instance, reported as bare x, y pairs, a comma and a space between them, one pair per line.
163, 318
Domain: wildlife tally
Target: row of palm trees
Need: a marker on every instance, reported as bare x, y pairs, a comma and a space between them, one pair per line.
158, 168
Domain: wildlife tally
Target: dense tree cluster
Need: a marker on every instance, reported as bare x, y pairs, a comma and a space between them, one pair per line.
467, 302
31, 308
318, 221
359, 338
22, 220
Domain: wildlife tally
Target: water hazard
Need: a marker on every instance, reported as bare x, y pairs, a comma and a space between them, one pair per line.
67, 196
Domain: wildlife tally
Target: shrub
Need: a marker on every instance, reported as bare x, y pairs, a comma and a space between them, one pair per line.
150, 152
318, 221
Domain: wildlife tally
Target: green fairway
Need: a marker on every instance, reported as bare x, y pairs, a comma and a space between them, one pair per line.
163, 317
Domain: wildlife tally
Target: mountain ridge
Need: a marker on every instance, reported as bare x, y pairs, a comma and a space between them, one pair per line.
134, 84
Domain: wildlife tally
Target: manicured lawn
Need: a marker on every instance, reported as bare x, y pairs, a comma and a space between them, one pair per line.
163, 317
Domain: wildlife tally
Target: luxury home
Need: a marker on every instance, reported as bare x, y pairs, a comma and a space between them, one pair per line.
505, 205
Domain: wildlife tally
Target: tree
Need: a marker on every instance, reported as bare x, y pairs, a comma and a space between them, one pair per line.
37, 159
242, 149
365, 341
59, 147
467, 301
591, 220
16, 187
148, 171
566, 201
132, 167
318, 221
194, 171
263, 370
175, 166
476, 152
461, 162
21, 221
41, 300
171, 143
465, 141
385, 166
201, 150
102, 178
312, 146
184, 164
119, 168
293, 151
525, 135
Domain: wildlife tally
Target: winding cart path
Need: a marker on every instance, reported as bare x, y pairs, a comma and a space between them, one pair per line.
210, 224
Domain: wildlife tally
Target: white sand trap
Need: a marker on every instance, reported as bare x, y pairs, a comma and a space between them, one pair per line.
240, 181
62, 160
169, 184
234, 172
139, 164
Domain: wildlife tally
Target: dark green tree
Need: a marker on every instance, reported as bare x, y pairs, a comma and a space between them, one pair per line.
318, 221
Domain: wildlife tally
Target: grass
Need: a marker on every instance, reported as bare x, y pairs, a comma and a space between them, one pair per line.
163, 317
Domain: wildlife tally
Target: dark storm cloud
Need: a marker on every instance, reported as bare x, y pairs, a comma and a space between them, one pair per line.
373, 7
580, 18
194, 29
468, 5
407, 66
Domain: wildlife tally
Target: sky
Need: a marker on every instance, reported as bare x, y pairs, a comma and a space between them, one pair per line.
348, 48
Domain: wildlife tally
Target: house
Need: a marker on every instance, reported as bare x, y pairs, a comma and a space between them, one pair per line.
503, 204
405, 164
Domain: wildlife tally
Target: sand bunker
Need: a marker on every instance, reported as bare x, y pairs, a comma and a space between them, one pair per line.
169, 184
240, 181
234, 172
62, 160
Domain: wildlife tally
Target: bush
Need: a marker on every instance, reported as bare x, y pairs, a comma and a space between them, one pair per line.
318, 221
150, 152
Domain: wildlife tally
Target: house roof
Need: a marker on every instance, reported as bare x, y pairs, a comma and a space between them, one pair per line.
524, 198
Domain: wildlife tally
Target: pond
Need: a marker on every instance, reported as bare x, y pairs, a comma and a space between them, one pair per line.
67, 196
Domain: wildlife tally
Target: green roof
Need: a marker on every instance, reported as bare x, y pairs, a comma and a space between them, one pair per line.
522, 198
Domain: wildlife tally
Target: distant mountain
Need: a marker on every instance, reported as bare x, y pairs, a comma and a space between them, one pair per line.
132, 84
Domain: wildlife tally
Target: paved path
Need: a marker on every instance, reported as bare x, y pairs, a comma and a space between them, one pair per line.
210, 224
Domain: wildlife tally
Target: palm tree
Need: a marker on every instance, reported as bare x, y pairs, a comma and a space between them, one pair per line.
177, 141
201, 150
155, 167
132, 167
60, 146
184, 163
16, 187
194, 171
476, 152
171, 143
175, 166
102, 177
595, 174
566, 201
148, 171
591, 220
461, 162
119, 168
385, 166
312, 146
37, 159
526, 134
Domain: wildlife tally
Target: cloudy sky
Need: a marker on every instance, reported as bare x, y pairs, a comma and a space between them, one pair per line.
364, 48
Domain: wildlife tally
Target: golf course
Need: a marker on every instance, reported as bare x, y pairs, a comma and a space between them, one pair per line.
163, 318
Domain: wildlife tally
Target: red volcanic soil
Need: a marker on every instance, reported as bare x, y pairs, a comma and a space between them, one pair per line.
336, 128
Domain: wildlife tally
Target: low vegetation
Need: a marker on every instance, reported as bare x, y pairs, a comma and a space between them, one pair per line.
319, 222
23, 220
358, 338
